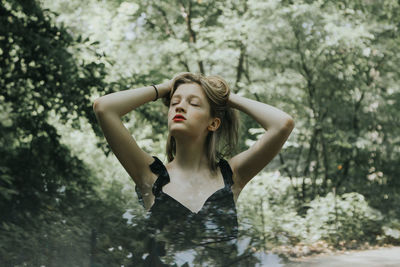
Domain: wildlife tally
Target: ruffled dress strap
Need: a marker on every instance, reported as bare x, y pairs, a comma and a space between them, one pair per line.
226, 172
157, 167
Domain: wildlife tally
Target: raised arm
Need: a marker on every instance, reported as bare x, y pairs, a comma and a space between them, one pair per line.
122, 102
278, 126
109, 109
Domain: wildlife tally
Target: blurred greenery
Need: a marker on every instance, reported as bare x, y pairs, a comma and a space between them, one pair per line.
332, 65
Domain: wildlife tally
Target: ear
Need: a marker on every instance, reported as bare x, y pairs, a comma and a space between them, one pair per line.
214, 125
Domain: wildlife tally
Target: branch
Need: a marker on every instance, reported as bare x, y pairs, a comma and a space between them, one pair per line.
170, 31
192, 34
239, 68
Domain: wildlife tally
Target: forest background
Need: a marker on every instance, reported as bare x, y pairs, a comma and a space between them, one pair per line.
332, 65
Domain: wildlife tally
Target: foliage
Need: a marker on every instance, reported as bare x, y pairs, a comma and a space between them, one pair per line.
332, 65
337, 219
45, 193
346, 217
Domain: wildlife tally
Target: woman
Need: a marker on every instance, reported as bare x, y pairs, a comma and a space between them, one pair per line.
191, 199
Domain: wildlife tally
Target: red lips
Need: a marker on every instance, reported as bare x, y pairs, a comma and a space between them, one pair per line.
179, 117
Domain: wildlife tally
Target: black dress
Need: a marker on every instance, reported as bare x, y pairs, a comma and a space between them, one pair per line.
179, 237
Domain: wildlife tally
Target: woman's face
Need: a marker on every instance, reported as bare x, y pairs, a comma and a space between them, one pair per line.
190, 101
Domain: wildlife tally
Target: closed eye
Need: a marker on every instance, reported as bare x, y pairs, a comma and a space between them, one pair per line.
191, 104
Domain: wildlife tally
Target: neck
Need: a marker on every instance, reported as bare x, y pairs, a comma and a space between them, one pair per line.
190, 154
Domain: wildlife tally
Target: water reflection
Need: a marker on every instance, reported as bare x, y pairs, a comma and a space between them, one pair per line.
199, 242
176, 236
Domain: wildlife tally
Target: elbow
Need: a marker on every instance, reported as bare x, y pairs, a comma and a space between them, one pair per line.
288, 125
95, 104
100, 108
97, 107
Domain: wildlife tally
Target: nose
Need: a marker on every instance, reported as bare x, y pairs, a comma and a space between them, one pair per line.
180, 107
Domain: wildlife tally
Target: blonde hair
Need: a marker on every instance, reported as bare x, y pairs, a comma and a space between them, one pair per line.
222, 142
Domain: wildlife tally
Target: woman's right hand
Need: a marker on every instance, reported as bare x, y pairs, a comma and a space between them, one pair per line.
167, 86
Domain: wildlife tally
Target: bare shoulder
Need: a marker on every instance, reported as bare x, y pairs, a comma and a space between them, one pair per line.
145, 183
146, 177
